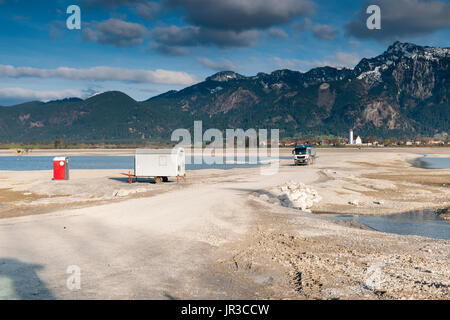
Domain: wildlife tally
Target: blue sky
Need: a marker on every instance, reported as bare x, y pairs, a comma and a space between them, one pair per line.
145, 48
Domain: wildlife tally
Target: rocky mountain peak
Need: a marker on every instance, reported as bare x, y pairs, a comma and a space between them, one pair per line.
409, 50
225, 76
402, 48
399, 52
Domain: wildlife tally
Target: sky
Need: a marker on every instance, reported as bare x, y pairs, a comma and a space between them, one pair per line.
145, 48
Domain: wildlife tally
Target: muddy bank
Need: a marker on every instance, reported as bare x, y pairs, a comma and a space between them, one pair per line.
445, 214
304, 257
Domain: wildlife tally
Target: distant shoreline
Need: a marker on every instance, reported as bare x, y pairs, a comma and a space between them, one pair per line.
81, 146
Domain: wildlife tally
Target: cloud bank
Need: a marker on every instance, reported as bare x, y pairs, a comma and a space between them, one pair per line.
338, 59
243, 14
325, 32
159, 76
116, 32
223, 24
27, 94
227, 24
221, 65
191, 36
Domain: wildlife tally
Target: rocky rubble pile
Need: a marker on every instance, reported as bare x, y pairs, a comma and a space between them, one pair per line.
293, 195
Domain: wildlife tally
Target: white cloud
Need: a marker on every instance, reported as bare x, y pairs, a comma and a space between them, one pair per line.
325, 32
339, 59
346, 59
116, 32
102, 74
354, 43
27, 94
293, 64
277, 33
222, 65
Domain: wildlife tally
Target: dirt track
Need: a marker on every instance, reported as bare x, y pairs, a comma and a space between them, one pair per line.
214, 238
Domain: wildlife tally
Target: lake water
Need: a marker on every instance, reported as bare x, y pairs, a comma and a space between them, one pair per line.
424, 223
34, 163
433, 163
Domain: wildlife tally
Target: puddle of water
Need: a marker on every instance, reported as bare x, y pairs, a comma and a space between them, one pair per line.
424, 223
432, 163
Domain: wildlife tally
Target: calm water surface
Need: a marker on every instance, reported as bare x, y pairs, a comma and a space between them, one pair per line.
424, 223
433, 163
33, 163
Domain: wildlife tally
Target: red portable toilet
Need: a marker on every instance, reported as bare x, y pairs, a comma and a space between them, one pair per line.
61, 168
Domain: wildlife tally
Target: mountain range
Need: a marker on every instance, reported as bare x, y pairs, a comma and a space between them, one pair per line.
404, 92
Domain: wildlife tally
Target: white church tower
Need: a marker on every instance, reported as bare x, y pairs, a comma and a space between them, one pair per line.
350, 138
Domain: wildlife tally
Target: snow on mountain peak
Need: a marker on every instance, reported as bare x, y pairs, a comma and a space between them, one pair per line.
225, 76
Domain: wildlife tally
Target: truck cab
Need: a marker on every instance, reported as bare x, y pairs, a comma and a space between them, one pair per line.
304, 154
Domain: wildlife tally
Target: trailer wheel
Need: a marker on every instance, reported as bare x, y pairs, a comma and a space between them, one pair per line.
158, 179
165, 179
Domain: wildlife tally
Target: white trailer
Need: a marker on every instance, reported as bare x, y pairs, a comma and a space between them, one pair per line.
159, 164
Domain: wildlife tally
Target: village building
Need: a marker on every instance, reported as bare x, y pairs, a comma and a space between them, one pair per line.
357, 141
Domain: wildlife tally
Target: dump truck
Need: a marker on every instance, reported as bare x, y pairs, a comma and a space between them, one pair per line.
304, 154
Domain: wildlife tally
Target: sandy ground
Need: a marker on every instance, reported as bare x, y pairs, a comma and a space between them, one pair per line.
213, 237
